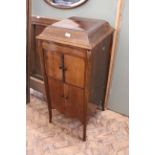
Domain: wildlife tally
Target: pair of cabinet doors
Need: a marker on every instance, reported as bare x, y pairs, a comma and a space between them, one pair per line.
66, 80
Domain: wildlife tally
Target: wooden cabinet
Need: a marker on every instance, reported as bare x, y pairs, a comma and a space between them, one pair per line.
75, 55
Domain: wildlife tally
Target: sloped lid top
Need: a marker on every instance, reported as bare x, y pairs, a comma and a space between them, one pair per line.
76, 31
79, 24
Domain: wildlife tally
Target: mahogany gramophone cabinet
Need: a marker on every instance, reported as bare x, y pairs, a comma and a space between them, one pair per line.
75, 56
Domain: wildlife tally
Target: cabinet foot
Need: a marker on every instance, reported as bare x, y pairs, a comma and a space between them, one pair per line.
50, 116
84, 132
50, 120
84, 139
103, 109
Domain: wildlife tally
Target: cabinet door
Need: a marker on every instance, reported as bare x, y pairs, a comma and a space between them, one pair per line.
75, 68
53, 64
56, 90
74, 102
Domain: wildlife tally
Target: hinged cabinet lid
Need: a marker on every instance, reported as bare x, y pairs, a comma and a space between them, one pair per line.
76, 31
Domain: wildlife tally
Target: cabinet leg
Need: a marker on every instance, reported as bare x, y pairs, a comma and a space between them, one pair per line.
50, 116
103, 108
84, 132
28, 97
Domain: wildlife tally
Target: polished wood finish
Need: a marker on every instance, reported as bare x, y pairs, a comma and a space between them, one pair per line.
54, 64
75, 69
77, 31
63, 98
74, 102
56, 90
78, 52
63, 5
48, 97
75, 56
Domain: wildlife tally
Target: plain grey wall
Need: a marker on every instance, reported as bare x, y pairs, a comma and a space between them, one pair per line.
92, 8
119, 97
101, 9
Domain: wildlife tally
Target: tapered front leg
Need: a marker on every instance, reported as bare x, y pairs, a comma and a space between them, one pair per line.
84, 131
103, 107
50, 116
42, 58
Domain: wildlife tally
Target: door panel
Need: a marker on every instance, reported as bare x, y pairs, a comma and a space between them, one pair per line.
74, 102
75, 70
56, 90
53, 63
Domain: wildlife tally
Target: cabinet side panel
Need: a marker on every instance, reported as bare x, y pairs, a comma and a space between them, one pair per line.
99, 71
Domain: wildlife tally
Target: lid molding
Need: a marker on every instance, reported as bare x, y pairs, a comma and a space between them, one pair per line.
76, 31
